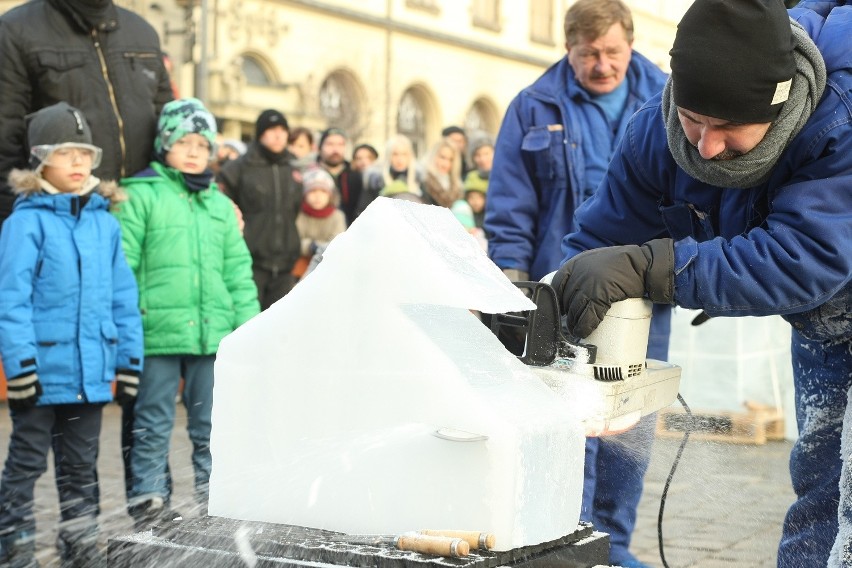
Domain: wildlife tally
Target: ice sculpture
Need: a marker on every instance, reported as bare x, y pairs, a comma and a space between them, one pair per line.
371, 400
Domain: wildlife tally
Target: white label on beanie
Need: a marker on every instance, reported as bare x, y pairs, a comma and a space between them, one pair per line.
782, 92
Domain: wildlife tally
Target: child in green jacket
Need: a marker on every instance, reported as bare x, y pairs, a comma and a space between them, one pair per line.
181, 239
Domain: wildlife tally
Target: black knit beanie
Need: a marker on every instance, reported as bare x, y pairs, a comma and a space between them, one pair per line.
733, 59
267, 120
330, 132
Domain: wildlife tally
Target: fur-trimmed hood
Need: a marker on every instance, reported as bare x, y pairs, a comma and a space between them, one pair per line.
27, 182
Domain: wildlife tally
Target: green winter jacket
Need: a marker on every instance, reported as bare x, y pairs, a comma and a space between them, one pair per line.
190, 261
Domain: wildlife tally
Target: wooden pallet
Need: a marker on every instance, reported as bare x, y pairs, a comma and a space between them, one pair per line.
756, 425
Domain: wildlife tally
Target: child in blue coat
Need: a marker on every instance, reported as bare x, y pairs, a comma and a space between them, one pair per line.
69, 326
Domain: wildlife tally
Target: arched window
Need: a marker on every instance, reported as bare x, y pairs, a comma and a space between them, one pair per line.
340, 103
482, 117
411, 120
254, 72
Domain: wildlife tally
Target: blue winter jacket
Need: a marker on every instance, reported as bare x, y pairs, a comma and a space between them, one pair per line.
68, 299
784, 247
539, 171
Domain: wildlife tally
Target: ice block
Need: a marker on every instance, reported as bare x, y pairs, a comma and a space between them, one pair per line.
370, 400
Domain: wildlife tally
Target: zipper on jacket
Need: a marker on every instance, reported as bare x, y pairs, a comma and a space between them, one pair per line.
277, 199
111, 89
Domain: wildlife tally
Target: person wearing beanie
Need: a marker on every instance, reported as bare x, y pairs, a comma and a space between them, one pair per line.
264, 184
475, 190
350, 183
399, 189
181, 238
476, 180
66, 295
320, 220
98, 57
730, 194
552, 151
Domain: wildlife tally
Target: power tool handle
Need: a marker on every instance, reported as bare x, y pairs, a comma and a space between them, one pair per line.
474, 539
437, 545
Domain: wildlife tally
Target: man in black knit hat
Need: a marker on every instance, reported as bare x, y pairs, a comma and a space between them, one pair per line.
263, 183
736, 182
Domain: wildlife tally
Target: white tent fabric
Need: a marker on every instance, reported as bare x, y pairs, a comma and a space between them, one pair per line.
728, 361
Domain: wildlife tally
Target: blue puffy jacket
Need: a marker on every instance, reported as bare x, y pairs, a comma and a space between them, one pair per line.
68, 299
784, 247
539, 175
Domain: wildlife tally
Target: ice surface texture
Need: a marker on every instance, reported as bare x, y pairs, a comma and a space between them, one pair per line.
326, 405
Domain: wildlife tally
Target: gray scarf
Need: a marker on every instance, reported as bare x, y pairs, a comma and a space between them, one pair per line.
754, 167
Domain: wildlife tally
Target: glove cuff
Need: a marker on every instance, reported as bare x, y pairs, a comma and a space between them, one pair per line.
22, 387
659, 278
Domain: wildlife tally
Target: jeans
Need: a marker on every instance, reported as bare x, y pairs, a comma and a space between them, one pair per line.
73, 431
155, 417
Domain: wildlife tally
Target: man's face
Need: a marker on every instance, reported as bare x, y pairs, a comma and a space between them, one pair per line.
458, 140
600, 64
274, 139
718, 139
333, 149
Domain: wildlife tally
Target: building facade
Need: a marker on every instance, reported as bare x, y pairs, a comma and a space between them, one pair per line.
372, 67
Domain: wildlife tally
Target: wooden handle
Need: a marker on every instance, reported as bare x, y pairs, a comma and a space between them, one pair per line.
437, 545
474, 539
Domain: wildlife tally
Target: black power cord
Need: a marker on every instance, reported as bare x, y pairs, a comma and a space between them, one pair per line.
686, 432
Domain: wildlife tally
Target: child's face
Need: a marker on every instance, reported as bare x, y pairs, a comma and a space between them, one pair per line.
484, 158
190, 154
317, 198
68, 169
476, 200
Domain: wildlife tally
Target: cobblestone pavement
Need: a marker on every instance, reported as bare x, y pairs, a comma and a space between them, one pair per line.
723, 510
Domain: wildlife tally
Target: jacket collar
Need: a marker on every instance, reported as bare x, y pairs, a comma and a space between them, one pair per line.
102, 19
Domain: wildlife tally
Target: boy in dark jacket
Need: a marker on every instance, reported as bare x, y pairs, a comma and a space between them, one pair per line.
69, 322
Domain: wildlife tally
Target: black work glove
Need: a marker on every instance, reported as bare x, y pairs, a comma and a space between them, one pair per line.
588, 284
22, 392
126, 386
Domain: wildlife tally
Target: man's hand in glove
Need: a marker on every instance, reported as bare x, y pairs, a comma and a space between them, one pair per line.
22, 392
588, 284
126, 387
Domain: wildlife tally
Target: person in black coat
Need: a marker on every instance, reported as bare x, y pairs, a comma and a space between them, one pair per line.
98, 57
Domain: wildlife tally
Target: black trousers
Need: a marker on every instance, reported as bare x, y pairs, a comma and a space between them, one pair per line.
73, 431
272, 285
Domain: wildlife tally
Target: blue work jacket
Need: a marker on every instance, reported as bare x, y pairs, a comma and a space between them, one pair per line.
783, 247
540, 167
